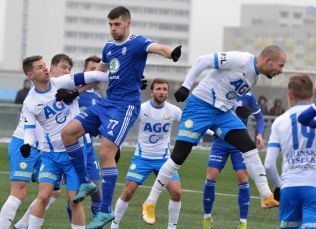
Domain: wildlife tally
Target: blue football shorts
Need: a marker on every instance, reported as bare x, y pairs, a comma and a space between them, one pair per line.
140, 168
198, 116
110, 118
22, 169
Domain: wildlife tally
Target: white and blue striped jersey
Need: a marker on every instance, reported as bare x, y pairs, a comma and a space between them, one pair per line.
126, 62
155, 125
52, 115
297, 145
232, 75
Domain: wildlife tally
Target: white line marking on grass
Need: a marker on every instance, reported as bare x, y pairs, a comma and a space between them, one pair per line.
184, 190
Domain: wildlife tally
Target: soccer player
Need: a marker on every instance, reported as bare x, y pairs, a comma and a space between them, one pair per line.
125, 57
233, 74
22, 171
219, 154
61, 64
153, 148
86, 99
52, 115
295, 142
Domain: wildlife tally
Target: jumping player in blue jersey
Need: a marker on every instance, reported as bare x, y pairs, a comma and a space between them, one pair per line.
219, 154
125, 58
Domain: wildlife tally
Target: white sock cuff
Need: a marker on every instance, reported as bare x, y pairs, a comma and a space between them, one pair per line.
36, 220
172, 164
122, 201
15, 199
174, 203
250, 153
73, 226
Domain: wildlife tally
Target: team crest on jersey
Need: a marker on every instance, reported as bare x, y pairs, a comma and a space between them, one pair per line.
133, 166
114, 65
188, 124
219, 132
124, 50
166, 116
23, 165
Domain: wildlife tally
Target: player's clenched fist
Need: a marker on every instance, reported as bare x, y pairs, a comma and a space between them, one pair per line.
181, 94
25, 150
66, 95
176, 53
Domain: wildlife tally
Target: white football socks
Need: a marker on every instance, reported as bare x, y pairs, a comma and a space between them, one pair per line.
120, 209
256, 172
174, 212
162, 180
8, 211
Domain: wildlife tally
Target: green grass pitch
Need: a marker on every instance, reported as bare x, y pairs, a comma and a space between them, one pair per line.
192, 173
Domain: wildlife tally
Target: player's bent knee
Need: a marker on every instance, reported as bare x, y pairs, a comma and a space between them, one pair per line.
181, 151
241, 140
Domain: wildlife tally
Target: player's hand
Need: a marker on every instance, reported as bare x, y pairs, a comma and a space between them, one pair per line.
25, 150
66, 95
144, 83
176, 53
181, 94
276, 194
243, 112
260, 141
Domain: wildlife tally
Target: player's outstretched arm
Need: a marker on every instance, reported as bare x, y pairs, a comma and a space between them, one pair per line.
166, 51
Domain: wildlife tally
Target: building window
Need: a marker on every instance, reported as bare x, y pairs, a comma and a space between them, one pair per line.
284, 14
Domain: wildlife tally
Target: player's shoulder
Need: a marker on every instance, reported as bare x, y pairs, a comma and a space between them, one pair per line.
173, 108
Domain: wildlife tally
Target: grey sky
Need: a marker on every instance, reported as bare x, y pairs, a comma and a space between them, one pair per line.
208, 20
210, 17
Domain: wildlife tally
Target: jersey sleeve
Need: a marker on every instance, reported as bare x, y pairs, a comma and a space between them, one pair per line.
229, 60
256, 111
274, 139
29, 124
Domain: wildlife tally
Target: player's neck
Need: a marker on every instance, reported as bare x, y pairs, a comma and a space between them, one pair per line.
42, 87
155, 104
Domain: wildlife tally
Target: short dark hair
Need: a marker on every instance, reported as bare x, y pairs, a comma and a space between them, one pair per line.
118, 12
158, 81
61, 57
28, 63
94, 58
302, 86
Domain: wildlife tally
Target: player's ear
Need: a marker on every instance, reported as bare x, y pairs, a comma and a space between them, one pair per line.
290, 95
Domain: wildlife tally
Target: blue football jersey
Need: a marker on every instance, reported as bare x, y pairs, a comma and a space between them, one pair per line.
88, 98
126, 62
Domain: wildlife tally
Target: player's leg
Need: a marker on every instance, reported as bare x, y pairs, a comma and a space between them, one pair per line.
70, 135
242, 141
20, 175
216, 162
138, 172
175, 191
36, 218
195, 120
78, 216
93, 169
9, 208
72, 183
123, 201
23, 222
116, 119
243, 186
